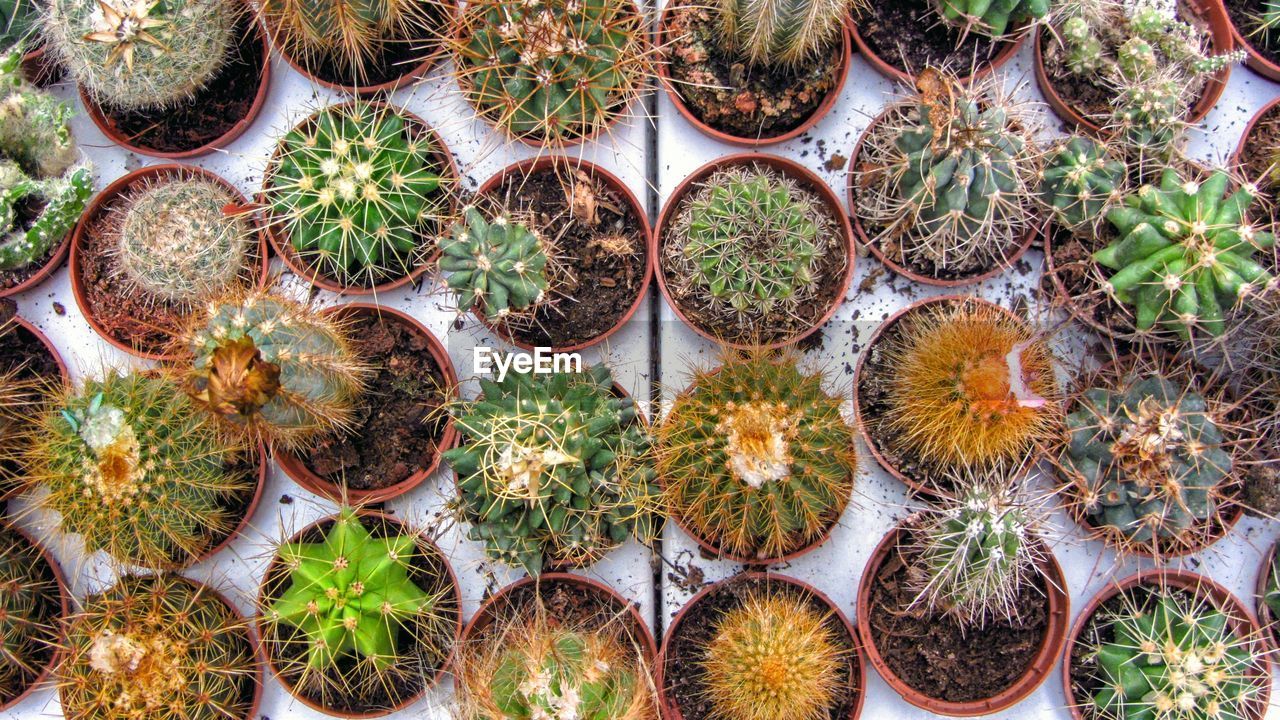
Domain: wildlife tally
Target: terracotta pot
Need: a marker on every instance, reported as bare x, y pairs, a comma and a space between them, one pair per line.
1237, 155
45, 673
1059, 613
275, 569
48, 344
670, 707
99, 205
559, 162
1008, 49
45, 271
673, 92
1241, 620
787, 167
1208, 12
1265, 616
297, 469
99, 117
282, 246
1033, 231
1255, 59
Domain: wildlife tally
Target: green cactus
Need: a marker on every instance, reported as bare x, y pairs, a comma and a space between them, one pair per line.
30, 613
1271, 594
498, 265
26, 244
785, 33
1080, 180
357, 190
553, 468
352, 34
1185, 253
19, 18
1147, 115
1265, 22
991, 18
1084, 47
552, 71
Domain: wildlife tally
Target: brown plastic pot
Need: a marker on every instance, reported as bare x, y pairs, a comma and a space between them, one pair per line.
64, 601
1255, 60
1009, 48
671, 709
1059, 613
842, 59
275, 569
796, 172
559, 162
99, 205
299, 472
1241, 619
284, 249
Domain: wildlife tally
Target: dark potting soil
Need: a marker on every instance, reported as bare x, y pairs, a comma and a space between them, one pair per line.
42, 638
1242, 14
573, 604
731, 95
598, 239
400, 419
395, 56
224, 101
684, 676
27, 213
909, 35
1071, 261
936, 656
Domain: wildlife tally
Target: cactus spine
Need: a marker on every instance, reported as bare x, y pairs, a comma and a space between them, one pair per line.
499, 266
30, 613
351, 34
787, 33
1080, 181
19, 19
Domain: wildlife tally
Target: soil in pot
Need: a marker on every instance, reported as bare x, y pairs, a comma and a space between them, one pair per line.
393, 57
34, 640
1259, 160
910, 36
1243, 15
1082, 279
728, 93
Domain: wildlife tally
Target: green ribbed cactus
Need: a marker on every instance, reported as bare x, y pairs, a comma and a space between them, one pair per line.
351, 34
30, 613
141, 54
553, 469
783, 33
499, 265
1185, 254
991, 18
1080, 180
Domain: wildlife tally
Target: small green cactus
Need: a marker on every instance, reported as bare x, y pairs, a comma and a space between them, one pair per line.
1185, 253
357, 190
19, 19
1147, 115
991, 18
351, 34
785, 33
1080, 180
499, 265
30, 613
553, 469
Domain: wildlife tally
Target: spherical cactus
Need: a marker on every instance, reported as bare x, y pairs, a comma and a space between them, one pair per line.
991, 18
552, 71
141, 54
773, 656
30, 613
1148, 114
350, 34
756, 456
271, 367
1080, 180
785, 33
158, 646
499, 266
553, 468
357, 190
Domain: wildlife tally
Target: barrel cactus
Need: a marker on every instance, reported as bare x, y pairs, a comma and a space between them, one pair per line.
787, 33
352, 35
1080, 180
553, 469
991, 18
30, 613
498, 266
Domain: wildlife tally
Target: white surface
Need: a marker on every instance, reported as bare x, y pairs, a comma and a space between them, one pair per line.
835, 568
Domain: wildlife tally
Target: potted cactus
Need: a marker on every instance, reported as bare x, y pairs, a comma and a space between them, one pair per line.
152, 646
175, 78
353, 194
756, 459
943, 182
553, 469
955, 383
359, 614
552, 93
34, 602
963, 608
1257, 156
566, 246
1255, 27
753, 250
761, 646
154, 245
754, 73
29, 364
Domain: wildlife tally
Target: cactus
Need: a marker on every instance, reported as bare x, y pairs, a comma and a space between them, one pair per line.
157, 646
175, 241
141, 54
786, 34
756, 457
353, 35
27, 244
19, 18
501, 266
773, 656
1264, 23
991, 18
1271, 589
272, 368
135, 468
35, 126
30, 614
1080, 180
1185, 253
554, 468
19, 408
357, 191
1147, 115
551, 71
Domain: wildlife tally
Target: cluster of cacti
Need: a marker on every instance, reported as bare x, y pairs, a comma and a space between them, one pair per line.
1080, 180
350, 34
756, 456
30, 614
18, 21
774, 655
1185, 254
553, 469
785, 33
499, 266
180, 240
552, 71
141, 54
271, 367
357, 191
991, 18
157, 646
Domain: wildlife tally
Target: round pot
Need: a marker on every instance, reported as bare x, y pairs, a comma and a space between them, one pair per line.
559, 162
45, 673
48, 344
1255, 60
1008, 49
282, 246
46, 270
670, 707
1059, 613
299, 472
787, 167
98, 206
107, 125
275, 569
842, 59
1265, 616
1241, 619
